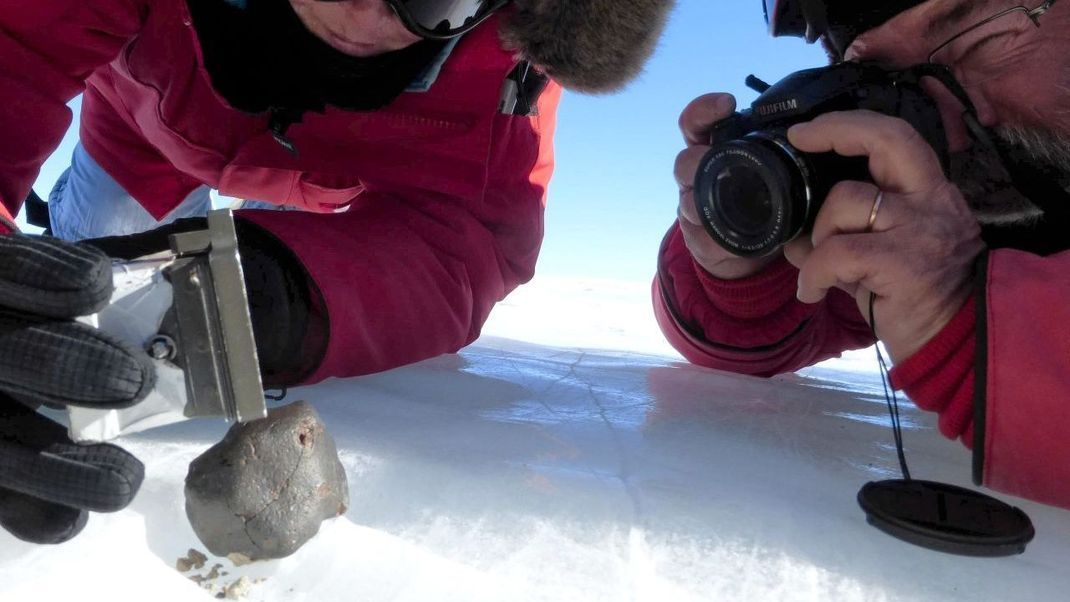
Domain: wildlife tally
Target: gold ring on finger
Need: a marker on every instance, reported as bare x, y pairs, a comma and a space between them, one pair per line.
873, 212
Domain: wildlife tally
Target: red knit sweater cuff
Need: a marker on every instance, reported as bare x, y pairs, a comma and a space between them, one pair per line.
939, 377
755, 296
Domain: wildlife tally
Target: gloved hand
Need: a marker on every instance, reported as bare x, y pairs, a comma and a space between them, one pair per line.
47, 483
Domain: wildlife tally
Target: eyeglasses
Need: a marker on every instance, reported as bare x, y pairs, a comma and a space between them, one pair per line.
1019, 19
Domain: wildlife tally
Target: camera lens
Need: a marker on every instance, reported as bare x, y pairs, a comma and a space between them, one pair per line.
752, 194
745, 201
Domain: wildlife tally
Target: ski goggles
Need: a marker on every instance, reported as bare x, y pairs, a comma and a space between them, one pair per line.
840, 21
442, 19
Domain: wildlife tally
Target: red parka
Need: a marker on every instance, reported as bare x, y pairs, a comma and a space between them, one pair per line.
425, 213
998, 374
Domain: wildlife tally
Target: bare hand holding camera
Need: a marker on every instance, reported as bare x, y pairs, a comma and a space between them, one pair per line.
915, 252
861, 138
696, 121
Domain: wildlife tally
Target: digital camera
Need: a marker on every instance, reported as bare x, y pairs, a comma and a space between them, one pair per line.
755, 192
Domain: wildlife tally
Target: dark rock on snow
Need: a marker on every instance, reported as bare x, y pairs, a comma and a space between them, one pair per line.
265, 488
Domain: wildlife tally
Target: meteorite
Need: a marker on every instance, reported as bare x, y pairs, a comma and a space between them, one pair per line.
263, 490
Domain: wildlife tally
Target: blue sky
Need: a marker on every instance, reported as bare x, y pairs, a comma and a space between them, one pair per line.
613, 194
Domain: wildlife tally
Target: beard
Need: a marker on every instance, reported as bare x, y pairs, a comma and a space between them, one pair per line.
1045, 146
981, 176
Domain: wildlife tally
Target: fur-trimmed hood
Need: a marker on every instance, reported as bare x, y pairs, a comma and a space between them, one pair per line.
586, 45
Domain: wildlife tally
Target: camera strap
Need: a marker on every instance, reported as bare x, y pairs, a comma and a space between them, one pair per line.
935, 515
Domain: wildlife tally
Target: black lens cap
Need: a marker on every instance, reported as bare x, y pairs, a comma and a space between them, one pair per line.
945, 518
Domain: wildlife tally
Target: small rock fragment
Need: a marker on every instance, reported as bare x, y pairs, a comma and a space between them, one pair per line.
197, 558
238, 589
238, 559
263, 490
192, 560
214, 573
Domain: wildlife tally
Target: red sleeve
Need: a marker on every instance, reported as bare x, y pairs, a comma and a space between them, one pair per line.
939, 377
997, 374
753, 325
48, 49
410, 274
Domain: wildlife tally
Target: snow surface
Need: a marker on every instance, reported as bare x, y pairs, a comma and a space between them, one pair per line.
588, 463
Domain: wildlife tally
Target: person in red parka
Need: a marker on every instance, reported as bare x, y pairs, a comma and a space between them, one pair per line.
413, 136
971, 279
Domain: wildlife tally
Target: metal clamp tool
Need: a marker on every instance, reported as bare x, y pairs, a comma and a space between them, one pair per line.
189, 310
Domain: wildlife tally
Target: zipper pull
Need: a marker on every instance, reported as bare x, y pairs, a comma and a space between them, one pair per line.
280, 121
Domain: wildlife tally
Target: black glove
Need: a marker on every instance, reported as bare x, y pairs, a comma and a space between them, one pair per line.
48, 483
289, 323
